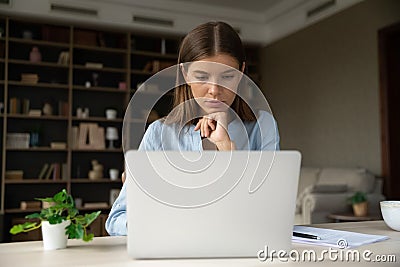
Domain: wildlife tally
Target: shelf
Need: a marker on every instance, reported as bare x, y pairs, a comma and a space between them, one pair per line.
21, 210
39, 64
98, 119
137, 121
103, 69
154, 54
101, 49
37, 42
38, 149
35, 181
169, 93
2, 60
42, 117
89, 181
142, 72
100, 89
107, 150
41, 85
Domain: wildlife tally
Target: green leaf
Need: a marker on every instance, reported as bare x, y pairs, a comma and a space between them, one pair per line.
89, 218
60, 196
72, 212
33, 216
55, 219
25, 227
46, 199
88, 237
75, 231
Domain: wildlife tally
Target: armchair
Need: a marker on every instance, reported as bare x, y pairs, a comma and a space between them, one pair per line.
323, 191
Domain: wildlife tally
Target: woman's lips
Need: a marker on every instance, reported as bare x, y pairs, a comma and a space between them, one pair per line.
214, 103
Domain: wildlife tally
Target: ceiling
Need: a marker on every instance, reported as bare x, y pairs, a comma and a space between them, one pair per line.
260, 21
249, 5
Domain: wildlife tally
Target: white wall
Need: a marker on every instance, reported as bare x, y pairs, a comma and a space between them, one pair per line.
323, 87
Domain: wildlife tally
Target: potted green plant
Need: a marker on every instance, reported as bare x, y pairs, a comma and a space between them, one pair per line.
59, 220
360, 204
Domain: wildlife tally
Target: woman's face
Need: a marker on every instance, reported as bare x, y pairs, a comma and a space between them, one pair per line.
214, 81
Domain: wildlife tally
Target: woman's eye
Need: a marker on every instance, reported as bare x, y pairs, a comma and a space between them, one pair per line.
227, 77
201, 78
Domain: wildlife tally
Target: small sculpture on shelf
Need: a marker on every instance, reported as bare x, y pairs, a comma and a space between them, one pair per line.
82, 113
97, 170
35, 56
47, 109
95, 79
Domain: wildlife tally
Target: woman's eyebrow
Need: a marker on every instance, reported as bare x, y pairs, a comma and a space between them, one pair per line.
200, 72
228, 71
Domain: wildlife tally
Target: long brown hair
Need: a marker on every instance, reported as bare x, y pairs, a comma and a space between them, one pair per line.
207, 40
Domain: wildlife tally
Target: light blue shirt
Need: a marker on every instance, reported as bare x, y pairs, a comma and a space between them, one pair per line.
255, 135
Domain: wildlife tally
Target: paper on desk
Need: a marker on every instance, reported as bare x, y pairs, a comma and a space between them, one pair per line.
335, 238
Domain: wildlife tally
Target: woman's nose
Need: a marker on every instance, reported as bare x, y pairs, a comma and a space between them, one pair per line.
214, 89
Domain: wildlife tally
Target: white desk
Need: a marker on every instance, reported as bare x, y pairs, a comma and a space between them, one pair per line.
111, 251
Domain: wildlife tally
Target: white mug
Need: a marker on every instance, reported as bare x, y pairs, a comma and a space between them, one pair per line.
111, 114
114, 174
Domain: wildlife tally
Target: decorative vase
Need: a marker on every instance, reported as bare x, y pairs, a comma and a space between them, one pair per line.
360, 209
34, 55
47, 109
54, 236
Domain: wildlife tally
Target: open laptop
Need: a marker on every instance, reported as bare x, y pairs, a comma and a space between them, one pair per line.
210, 204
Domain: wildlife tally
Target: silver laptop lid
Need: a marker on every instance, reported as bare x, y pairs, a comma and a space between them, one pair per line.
210, 204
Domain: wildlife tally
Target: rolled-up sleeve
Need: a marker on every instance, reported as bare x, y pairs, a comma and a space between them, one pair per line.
116, 223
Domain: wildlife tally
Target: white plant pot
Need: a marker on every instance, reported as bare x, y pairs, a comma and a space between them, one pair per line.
54, 236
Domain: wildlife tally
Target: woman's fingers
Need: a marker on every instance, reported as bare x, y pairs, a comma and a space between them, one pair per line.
206, 126
198, 125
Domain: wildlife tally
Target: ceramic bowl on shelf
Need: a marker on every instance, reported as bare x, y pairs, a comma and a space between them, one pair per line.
391, 213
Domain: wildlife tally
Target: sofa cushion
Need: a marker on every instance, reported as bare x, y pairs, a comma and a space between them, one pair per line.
356, 179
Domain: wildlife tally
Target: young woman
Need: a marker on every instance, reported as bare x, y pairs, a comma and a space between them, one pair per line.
209, 112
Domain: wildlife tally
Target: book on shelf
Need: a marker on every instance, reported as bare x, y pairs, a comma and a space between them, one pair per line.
24, 205
49, 171
17, 140
25, 106
15, 105
63, 58
94, 65
19, 106
35, 112
14, 175
43, 171
64, 171
74, 137
29, 78
58, 145
89, 136
95, 205
62, 108
55, 171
